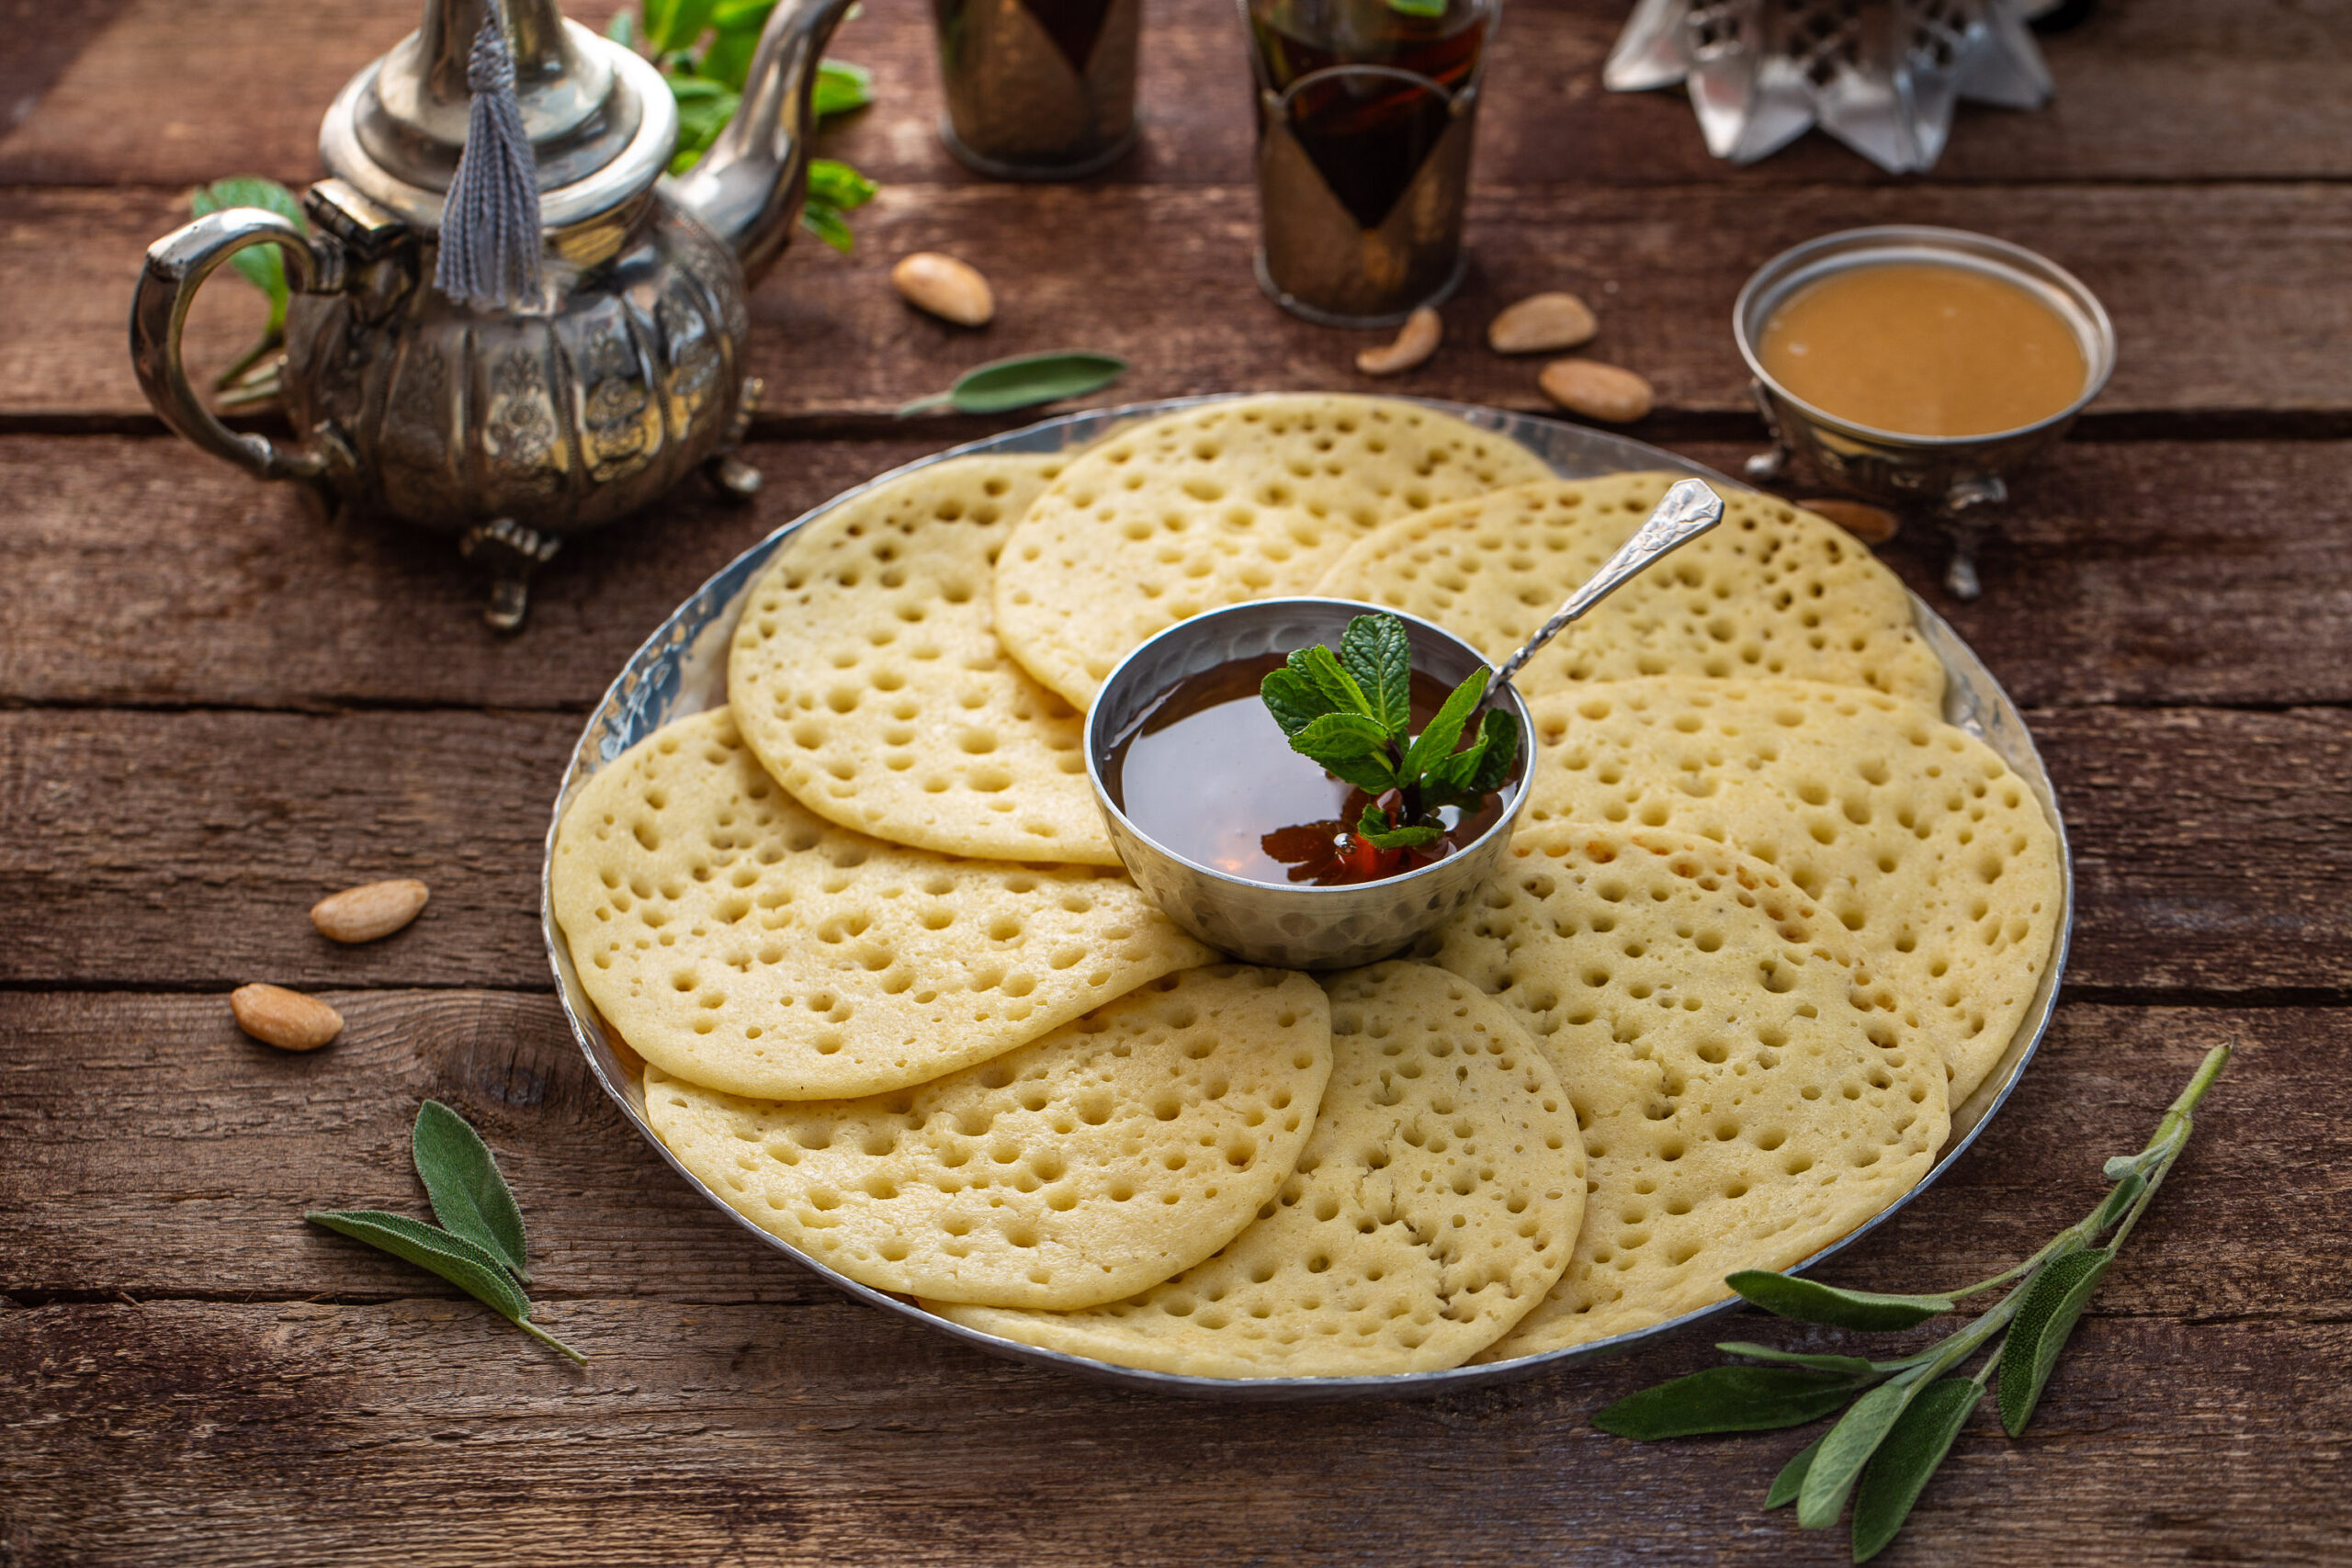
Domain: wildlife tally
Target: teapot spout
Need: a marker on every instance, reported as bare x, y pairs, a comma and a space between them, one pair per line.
748, 188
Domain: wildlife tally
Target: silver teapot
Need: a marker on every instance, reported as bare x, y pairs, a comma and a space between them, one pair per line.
512, 429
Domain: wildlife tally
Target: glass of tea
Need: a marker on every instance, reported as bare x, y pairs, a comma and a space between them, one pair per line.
1366, 114
1037, 89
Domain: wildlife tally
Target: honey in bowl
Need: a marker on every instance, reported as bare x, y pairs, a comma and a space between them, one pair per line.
1920, 348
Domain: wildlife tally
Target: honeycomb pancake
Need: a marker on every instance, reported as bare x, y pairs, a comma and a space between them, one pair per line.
1435, 1203
1913, 833
1248, 499
1114, 1152
867, 675
1772, 590
740, 941
1749, 1093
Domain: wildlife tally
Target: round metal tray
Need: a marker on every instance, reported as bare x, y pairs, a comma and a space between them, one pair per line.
682, 670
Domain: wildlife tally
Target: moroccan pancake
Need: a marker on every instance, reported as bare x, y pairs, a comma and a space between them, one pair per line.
1772, 590
1747, 1090
1212, 505
867, 675
1912, 833
1435, 1203
1119, 1149
738, 940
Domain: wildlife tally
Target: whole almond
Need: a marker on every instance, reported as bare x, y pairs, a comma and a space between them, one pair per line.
1606, 393
947, 288
1416, 341
287, 1019
1542, 323
1870, 525
363, 914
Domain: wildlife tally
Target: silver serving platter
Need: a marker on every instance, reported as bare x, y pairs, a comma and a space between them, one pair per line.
682, 670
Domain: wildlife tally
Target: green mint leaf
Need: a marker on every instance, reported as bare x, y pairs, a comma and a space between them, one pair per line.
1808, 1300
727, 61
827, 224
1726, 1399
1376, 652
262, 266
1027, 380
1847, 1366
469, 1197
453, 1258
1845, 1448
1499, 736
671, 25
842, 87
623, 29
1791, 1480
1417, 7
1899, 1471
741, 16
1340, 737
2055, 1299
1373, 830
837, 185
1436, 743
1322, 667
2118, 1202
1294, 700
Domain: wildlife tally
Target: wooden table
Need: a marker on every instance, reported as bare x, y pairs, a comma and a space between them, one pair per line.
214, 709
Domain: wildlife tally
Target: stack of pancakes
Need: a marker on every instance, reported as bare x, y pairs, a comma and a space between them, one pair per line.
1765, 919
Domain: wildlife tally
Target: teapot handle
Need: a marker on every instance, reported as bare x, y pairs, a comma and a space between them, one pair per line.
177, 266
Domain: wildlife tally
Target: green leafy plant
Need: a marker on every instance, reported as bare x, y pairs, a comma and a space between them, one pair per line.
1023, 381
1352, 711
252, 377
704, 48
1902, 1415
479, 1247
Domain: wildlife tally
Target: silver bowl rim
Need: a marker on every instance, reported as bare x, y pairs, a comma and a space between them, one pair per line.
627, 698
1302, 892
1790, 264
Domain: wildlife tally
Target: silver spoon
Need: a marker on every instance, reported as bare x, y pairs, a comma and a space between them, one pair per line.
1685, 512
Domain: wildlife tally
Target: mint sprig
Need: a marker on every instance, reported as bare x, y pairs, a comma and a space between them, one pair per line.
1902, 1415
1352, 712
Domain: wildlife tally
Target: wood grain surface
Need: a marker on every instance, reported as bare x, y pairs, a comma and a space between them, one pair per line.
216, 706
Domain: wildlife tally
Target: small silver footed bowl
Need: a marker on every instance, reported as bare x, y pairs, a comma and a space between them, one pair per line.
1292, 927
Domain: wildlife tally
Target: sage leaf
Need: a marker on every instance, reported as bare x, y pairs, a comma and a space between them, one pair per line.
1809, 1300
1846, 1449
1376, 651
1726, 1399
2118, 1202
2120, 1167
470, 1268
1899, 1471
469, 1197
1849, 1366
261, 265
1786, 1484
2055, 1299
1436, 743
1024, 381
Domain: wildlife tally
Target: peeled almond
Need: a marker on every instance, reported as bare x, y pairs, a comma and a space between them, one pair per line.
365, 913
950, 290
1870, 525
1606, 393
287, 1019
1542, 323
1416, 341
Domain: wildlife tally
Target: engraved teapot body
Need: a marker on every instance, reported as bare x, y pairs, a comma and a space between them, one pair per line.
511, 428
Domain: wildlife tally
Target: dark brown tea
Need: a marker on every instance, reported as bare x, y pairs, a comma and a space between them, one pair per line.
1209, 774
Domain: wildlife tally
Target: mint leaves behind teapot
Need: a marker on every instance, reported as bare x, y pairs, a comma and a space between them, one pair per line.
1024, 381
1903, 1414
1352, 712
480, 1245
252, 377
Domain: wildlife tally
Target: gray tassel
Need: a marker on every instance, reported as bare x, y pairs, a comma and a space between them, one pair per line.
489, 225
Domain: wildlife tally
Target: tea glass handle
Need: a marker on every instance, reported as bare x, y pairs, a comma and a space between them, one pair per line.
1688, 510
177, 266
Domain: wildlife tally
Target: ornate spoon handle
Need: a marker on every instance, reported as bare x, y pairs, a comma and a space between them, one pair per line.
1687, 511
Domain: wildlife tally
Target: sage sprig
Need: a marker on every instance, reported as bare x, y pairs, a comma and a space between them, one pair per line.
1023, 381
479, 1247
1903, 1415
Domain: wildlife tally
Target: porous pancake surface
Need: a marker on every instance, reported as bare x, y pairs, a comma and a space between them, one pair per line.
1246, 499
1116, 1151
1772, 590
1912, 833
867, 675
738, 940
1435, 1203
1747, 1090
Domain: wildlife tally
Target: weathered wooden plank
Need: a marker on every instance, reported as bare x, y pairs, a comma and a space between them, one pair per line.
2221, 293
150, 1118
180, 93
141, 573
163, 849
294, 1433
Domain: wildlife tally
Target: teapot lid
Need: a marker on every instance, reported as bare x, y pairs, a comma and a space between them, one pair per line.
601, 122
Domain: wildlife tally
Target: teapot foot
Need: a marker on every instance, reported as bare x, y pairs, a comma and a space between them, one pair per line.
511, 553
734, 478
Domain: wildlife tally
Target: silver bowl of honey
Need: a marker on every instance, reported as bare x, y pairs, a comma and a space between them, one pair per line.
1234, 834
1920, 365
